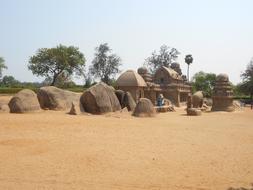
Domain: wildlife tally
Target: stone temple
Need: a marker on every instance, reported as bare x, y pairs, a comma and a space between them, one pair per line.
165, 80
222, 94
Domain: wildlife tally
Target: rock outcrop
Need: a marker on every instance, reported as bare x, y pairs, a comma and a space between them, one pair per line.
125, 100
144, 108
100, 99
54, 98
24, 101
76, 108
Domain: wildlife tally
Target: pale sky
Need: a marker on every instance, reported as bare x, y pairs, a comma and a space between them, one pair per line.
218, 33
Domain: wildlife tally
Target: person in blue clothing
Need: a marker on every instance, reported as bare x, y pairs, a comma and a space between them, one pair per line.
160, 100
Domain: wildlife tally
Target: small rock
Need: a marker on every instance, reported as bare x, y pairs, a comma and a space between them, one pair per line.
124, 110
75, 109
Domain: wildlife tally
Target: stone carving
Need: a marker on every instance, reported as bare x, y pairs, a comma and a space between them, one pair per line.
191, 110
222, 94
197, 99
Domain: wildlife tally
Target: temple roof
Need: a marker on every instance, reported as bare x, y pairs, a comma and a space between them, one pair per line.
130, 78
222, 78
172, 73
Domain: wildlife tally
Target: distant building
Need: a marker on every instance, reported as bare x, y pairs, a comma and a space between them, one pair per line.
165, 81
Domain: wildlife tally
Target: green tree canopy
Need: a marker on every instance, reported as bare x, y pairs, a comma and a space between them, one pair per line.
53, 62
9, 81
204, 82
165, 57
246, 86
2, 66
105, 65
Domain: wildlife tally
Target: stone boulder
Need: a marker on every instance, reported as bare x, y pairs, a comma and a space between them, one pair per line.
144, 108
76, 108
197, 99
125, 100
124, 110
4, 108
54, 98
193, 111
120, 95
24, 101
129, 101
100, 99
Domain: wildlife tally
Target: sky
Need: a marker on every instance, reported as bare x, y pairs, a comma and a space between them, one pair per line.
218, 33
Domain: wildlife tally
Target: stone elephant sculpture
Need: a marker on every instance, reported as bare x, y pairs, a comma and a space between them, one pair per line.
197, 99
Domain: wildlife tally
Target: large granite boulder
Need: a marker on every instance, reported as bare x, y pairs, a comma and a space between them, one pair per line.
24, 101
129, 101
125, 100
100, 99
120, 95
197, 99
54, 98
144, 108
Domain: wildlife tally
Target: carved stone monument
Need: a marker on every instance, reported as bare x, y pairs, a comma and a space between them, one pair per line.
222, 94
190, 109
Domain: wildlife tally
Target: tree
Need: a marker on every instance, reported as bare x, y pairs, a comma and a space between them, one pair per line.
247, 85
2, 66
63, 80
10, 81
53, 62
88, 81
176, 67
188, 60
104, 64
166, 57
204, 82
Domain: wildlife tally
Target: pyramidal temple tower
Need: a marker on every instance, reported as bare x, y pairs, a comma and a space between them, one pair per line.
222, 94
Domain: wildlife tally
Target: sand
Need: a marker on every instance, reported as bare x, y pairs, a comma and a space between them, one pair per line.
54, 150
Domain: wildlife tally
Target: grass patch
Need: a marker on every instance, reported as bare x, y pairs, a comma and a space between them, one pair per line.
9, 90
6, 90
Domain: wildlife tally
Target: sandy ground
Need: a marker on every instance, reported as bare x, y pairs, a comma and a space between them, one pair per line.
53, 150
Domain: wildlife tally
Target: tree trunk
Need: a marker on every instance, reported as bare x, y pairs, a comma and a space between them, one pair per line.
106, 80
54, 80
188, 73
